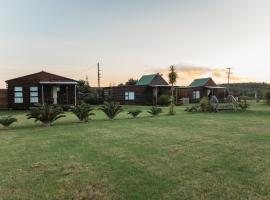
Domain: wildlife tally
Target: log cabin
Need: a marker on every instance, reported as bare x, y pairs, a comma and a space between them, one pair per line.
199, 88
42, 87
146, 92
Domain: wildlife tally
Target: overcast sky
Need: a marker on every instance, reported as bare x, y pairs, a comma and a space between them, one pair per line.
134, 37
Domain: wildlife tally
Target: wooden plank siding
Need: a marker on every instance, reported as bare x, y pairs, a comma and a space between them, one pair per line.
3, 98
34, 80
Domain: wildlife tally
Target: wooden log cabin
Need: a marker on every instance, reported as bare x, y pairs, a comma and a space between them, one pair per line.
41, 87
199, 88
146, 92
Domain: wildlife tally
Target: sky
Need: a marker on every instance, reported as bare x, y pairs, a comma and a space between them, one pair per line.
131, 38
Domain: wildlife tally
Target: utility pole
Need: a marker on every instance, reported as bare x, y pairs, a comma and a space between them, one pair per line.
98, 75
229, 76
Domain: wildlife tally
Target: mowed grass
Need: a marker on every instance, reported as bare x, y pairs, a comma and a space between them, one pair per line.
187, 156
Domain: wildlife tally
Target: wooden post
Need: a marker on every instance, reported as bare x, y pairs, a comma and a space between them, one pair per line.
75, 96
42, 95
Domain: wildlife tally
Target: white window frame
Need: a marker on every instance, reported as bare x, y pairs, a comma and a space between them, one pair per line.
129, 96
196, 94
18, 94
34, 94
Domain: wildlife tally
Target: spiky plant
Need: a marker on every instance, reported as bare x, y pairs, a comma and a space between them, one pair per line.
172, 80
7, 121
46, 114
135, 113
111, 109
83, 112
154, 111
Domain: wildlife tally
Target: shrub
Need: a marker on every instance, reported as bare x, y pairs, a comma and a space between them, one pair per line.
267, 96
243, 105
171, 108
135, 113
164, 100
45, 113
192, 109
7, 121
154, 111
205, 105
83, 112
111, 109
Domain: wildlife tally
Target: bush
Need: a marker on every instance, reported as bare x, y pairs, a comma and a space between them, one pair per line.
192, 109
111, 109
154, 111
46, 114
171, 108
205, 105
93, 99
243, 105
164, 100
135, 113
83, 112
267, 96
7, 121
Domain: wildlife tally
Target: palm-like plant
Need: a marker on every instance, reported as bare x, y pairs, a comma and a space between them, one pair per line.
7, 121
45, 113
135, 113
111, 109
172, 80
154, 111
83, 112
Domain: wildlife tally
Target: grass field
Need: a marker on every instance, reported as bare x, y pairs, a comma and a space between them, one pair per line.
187, 156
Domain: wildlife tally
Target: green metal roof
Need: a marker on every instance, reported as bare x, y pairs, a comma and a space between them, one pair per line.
146, 79
199, 82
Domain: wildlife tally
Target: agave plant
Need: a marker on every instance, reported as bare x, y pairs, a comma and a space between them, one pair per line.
111, 109
135, 113
46, 114
155, 111
83, 112
7, 121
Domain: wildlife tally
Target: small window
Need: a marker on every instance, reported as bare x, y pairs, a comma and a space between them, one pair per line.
129, 96
196, 95
33, 94
18, 94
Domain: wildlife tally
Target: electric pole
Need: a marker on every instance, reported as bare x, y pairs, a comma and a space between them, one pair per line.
98, 75
229, 76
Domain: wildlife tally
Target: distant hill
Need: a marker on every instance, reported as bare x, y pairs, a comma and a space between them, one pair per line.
248, 89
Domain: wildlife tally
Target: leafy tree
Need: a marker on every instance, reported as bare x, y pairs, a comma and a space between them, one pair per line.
46, 114
135, 113
172, 80
154, 111
111, 109
131, 81
83, 112
7, 121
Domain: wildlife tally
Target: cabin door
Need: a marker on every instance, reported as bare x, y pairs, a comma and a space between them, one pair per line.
55, 90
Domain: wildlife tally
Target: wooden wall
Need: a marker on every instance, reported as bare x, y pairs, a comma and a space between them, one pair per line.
3, 98
143, 95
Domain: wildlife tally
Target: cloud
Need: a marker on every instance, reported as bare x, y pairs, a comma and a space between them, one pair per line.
188, 72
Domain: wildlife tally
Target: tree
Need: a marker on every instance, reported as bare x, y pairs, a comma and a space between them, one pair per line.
45, 113
111, 109
131, 81
7, 121
83, 112
172, 80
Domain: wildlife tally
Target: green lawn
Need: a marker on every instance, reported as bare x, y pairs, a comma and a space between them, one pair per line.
187, 156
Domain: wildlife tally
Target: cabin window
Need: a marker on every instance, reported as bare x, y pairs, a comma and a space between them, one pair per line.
18, 94
34, 94
129, 96
196, 95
